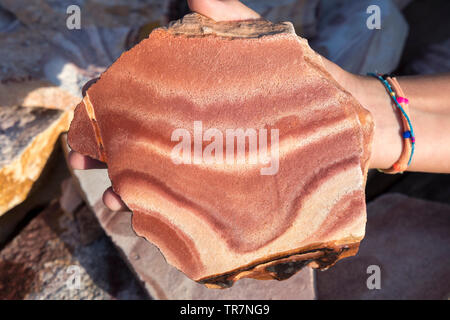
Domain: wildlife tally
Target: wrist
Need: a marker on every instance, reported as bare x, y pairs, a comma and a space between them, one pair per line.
387, 142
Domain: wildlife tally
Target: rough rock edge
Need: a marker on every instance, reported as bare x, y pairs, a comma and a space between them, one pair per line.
195, 24
284, 266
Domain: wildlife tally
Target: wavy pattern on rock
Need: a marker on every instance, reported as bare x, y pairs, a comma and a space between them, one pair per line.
216, 222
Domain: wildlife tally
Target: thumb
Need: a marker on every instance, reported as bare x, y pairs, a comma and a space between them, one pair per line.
223, 10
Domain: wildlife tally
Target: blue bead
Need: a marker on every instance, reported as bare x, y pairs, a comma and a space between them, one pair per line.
407, 134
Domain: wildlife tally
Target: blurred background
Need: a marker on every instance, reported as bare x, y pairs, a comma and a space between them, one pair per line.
58, 241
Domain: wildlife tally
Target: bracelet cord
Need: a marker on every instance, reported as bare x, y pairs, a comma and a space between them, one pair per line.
409, 140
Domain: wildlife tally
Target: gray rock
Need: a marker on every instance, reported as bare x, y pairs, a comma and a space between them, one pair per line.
409, 239
47, 260
44, 63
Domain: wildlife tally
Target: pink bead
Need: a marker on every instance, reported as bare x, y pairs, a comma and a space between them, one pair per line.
401, 100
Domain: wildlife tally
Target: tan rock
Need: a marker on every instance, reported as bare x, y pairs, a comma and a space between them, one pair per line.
43, 191
22, 80
222, 221
28, 131
36, 93
27, 137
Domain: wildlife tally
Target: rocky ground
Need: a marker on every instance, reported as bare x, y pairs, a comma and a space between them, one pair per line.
58, 240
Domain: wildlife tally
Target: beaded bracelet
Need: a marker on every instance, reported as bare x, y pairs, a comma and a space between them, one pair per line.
409, 139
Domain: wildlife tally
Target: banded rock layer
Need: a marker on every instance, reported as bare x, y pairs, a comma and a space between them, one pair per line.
219, 222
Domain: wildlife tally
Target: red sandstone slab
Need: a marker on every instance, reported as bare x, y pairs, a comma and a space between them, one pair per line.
219, 222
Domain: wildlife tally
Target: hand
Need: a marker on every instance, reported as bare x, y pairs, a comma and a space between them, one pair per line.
223, 10
110, 198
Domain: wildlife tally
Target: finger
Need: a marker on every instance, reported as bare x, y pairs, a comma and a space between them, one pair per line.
79, 162
223, 10
113, 201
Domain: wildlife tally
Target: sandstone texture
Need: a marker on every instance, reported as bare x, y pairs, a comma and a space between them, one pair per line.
163, 281
220, 222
